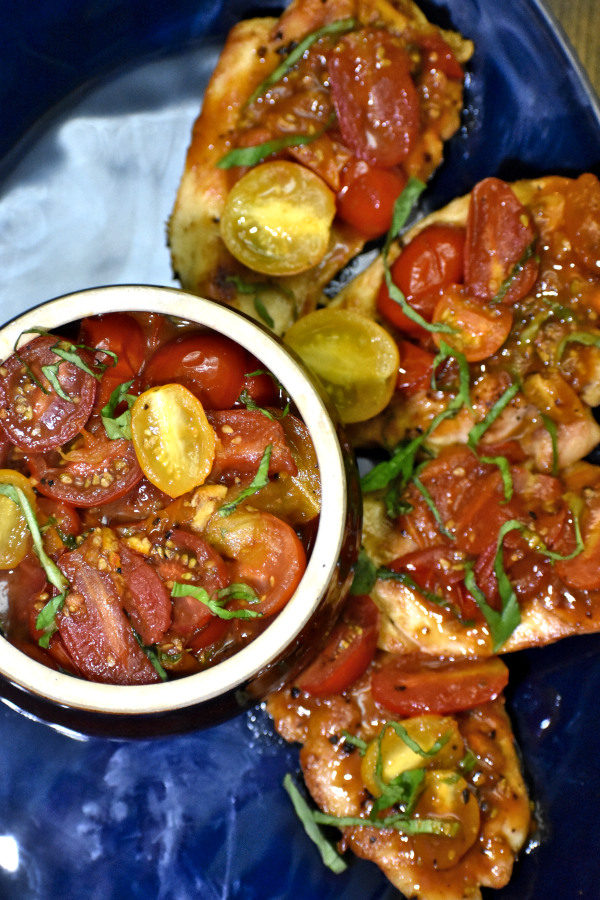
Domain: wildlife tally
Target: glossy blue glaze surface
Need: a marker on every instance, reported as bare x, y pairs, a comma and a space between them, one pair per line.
96, 103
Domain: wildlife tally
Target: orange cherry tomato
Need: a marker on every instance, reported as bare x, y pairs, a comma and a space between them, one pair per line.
408, 688
348, 652
480, 330
367, 201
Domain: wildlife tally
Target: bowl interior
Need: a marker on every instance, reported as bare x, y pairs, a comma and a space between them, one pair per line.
237, 670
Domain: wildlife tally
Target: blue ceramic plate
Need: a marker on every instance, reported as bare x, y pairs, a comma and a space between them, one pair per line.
96, 104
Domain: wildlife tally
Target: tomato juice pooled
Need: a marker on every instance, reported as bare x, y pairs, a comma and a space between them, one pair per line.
157, 498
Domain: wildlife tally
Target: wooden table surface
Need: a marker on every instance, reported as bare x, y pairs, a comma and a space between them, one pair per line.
580, 20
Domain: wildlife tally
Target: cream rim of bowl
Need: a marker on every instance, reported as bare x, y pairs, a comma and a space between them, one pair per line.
238, 669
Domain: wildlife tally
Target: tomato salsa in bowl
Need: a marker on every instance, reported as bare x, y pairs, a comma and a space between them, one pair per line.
178, 510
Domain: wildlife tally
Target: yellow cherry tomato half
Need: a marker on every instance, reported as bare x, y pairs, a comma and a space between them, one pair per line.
15, 537
354, 357
447, 796
277, 218
174, 441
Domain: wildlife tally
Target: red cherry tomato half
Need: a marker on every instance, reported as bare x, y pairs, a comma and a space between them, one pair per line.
242, 436
499, 232
91, 473
409, 688
258, 384
416, 367
123, 336
146, 600
33, 415
348, 651
211, 366
96, 631
375, 97
479, 330
438, 55
367, 201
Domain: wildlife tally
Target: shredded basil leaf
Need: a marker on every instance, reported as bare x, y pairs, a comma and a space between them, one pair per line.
251, 156
338, 27
51, 373
53, 573
503, 623
46, 619
397, 822
579, 337
468, 762
259, 481
249, 403
213, 603
516, 270
551, 428
431, 506
501, 403
329, 854
238, 591
355, 741
153, 656
118, 426
263, 312
404, 578
504, 466
365, 574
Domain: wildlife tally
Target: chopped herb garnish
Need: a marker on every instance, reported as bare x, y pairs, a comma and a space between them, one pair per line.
263, 312
249, 403
215, 604
260, 480
355, 741
404, 578
365, 574
118, 426
499, 406
516, 270
46, 619
238, 591
578, 337
153, 656
504, 466
551, 428
53, 573
401, 823
468, 762
338, 27
329, 854
251, 156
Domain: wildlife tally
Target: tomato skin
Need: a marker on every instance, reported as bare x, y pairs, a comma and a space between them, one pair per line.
142, 501
96, 633
499, 231
211, 366
242, 436
261, 551
367, 201
410, 688
261, 387
38, 421
416, 368
122, 335
480, 330
348, 652
145, 597
582, 220
375, 97
430, 570
79, 481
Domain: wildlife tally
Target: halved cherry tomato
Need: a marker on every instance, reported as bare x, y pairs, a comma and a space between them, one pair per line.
93, 471
277, 218
188, 558
93, 627
123, 336
242, 436
15, 537
408, 688
355, 358
480, 330
263, 552
499, 232
258, 384
141, 502
58, 520
374, 95
174, 441
438, 55
145, 598
367, 201
35, 417
209, 365
439, 571
416, 367
348, 652
431, 261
